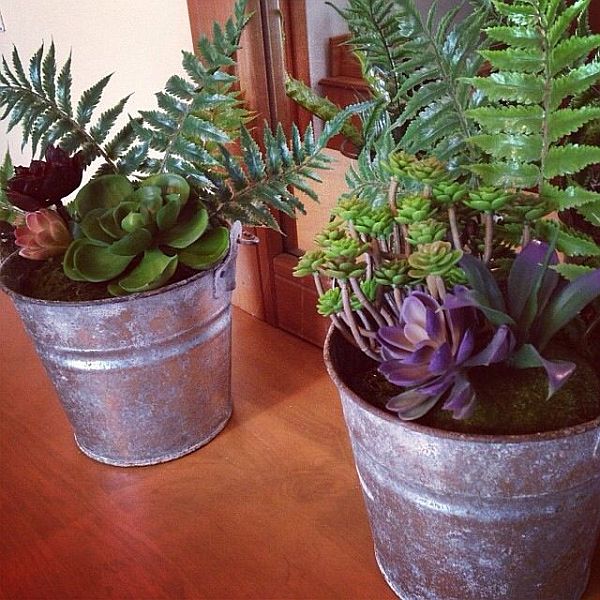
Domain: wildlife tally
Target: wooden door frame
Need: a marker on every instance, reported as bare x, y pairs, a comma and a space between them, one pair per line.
274, 42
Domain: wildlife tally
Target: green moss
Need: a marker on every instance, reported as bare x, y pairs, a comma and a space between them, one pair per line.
47, 281
509, 401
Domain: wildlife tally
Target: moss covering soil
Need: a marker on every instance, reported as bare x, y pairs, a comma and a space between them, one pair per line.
509, 401
47, 281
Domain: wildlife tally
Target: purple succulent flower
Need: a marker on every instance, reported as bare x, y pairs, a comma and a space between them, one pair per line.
428, 353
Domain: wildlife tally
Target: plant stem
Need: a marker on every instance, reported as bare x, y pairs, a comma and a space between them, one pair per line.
366, 302
393, 189
349, 314
526, 235
454, 228
488, 219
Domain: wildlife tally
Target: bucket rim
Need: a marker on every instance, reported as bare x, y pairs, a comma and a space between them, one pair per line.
234, 232
417, 428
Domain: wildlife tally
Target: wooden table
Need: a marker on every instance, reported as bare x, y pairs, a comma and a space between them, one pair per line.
270, 509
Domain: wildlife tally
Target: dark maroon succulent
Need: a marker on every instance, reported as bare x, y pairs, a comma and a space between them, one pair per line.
45, 182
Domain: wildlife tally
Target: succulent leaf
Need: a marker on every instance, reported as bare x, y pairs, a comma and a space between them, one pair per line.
154, 270
206, 251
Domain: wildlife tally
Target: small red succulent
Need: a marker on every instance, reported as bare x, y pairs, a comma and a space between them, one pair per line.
45, 182
44, 234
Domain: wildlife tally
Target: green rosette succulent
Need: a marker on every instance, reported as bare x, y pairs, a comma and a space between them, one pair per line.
341, 259
487, 199
392, 273
437, 258
334, 231
426, 232
376, 222
455, 276
398, 162
331, 303
350, 209
526, 208
135, 238
427, 171
413, 209
447, 192
309, 263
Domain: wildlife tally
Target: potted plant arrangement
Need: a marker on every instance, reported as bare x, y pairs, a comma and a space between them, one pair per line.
126, 290
461, 340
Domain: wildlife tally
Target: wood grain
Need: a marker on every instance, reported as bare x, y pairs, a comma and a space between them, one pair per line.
270, 509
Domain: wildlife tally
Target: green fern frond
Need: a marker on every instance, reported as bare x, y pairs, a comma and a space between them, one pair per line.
8, 212
198, 113
261, 180
526, 118
40, 102
569, 241
571, 271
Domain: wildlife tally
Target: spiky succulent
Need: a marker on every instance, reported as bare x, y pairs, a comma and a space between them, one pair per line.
534, 304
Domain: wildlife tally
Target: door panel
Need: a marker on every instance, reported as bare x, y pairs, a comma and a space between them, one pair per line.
275, 41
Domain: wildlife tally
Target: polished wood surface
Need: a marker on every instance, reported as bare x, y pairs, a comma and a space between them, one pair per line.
269, 509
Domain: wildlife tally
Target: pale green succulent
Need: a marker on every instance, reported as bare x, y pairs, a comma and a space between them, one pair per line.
135, 238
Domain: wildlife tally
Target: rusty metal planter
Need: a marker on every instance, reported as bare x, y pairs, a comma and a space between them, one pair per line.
144, 378
473, 517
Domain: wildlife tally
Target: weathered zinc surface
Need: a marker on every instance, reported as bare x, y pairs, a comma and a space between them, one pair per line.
145, 378
466, 517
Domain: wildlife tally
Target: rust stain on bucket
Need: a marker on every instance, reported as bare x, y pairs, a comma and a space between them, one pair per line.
144, 378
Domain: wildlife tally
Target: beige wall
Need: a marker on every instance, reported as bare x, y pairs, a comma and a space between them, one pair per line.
139, 40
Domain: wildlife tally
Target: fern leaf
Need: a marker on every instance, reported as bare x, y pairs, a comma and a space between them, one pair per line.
568, 159
567, 120
575, 82
517, 87
571, 197
571, 271
63, 88
89, 100
511, 146
200, 128
517, 37
180, 87
35, 70
132, 159
252, 156
160, 120
19, 72
8, 75
519, 12
509, 119
49, 73
571, 50
171, 105
591, 212
564, 20
120, 141
529, 60
101, 129
194, 68
569, 241
507, 175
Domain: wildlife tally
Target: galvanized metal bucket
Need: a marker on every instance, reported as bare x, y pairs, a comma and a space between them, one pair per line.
144, 378
473, 517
